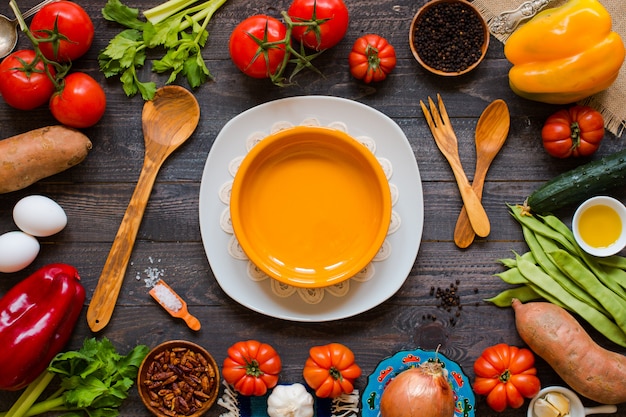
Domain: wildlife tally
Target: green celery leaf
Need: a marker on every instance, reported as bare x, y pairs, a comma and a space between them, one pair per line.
128, 82
81, 392
196, 71
164, 33
129, 38
117, 12
129, 364
132, 85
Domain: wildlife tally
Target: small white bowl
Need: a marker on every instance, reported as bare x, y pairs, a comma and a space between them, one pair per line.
576, 406
614, 247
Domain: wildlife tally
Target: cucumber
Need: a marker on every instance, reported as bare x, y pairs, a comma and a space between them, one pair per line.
580, 183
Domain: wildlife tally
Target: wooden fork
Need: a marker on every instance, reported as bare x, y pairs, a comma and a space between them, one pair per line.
446, 141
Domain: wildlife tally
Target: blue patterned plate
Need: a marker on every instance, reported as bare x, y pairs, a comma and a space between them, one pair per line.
388, 368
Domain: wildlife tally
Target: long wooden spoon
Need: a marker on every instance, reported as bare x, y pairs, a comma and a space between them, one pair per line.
491, 132
168, 120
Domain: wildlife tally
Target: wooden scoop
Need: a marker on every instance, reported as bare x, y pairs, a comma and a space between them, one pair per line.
491, 132
168, 120
180, 310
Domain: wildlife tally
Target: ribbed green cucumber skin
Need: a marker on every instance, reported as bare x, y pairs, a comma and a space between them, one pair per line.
580, 183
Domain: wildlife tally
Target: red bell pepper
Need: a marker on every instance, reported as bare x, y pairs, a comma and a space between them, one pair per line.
37, 318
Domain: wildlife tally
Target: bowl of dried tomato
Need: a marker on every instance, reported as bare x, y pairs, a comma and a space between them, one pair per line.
178, 378
448, 37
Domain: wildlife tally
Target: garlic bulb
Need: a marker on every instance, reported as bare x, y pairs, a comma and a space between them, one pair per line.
553, 404
290, 401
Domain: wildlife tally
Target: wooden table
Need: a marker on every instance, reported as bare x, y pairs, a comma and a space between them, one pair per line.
95, 195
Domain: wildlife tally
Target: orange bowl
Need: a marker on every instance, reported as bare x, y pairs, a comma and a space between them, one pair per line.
310, 206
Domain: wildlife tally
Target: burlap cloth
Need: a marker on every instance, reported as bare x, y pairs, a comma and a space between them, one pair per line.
611, 102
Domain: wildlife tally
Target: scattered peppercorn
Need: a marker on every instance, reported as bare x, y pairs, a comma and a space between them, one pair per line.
448, 300
449, 36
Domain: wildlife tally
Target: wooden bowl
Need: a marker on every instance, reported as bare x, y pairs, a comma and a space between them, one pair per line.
179, 358
435, 37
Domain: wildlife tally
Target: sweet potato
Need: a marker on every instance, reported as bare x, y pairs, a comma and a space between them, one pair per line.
557, 337
40, 153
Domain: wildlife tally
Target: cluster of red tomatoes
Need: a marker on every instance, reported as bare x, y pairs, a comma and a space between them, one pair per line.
30, 78
260, 46
253, 368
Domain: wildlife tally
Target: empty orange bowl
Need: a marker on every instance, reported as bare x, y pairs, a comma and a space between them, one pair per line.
310, 206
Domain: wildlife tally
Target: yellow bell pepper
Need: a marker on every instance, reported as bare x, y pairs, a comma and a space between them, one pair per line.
565, 54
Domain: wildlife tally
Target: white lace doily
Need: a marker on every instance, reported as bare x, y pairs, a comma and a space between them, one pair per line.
309, 295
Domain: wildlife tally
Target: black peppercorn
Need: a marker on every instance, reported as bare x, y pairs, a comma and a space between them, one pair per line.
449, 36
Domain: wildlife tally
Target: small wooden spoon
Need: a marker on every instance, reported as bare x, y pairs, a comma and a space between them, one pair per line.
491, 132
168, 120
182, 312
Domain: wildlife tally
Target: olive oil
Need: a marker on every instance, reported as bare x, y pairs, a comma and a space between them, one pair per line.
600, 226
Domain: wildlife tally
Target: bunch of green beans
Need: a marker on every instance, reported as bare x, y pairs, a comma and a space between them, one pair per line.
557, 270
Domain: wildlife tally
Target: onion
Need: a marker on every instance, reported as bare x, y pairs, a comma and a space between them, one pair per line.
418, 392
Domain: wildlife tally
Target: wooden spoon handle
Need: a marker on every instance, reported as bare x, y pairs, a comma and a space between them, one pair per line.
108, 288
463, 232
474, 208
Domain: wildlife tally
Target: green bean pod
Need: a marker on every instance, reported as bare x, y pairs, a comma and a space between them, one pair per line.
615, 279
537, 226
587, 280
524, 293
554, 293
512, 276
568, 284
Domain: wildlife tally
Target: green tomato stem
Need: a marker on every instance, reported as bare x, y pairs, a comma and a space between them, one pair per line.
61, 70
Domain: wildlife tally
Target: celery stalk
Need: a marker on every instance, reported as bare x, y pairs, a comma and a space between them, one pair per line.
30, 395
167, 9
201, 11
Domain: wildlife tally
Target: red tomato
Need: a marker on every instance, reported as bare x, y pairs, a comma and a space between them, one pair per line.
506, 375
252, 367
24, 83
331, 370
251, 48
330, 22
371, 58
576, 131
80, 103
73, 34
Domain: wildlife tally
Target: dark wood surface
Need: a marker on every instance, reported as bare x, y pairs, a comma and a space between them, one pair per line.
95, 194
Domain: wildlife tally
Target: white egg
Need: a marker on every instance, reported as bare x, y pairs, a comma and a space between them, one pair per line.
17, 251
39, 216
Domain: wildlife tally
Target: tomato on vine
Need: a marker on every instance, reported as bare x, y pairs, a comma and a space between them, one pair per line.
506, 375
252, 367
80, 103
24, 83
256, 46
319, 24
371, 58
65, 30
576, 131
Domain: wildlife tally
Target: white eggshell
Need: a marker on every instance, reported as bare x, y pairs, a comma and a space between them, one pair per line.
39, 216
17, 251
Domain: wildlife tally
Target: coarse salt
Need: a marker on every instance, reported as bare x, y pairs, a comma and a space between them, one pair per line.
167, 298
